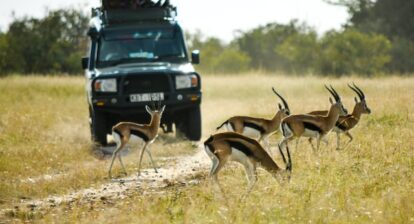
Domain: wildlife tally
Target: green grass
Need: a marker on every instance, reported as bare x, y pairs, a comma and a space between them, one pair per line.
44, 130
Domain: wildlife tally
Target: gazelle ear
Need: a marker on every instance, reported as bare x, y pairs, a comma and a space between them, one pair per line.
148, 109
356, 100
330, 100
162, 109
280, 106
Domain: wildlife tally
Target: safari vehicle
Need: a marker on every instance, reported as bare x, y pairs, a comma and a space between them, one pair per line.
138, 55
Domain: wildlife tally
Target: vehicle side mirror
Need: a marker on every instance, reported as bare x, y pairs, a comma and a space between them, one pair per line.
85, 62
195, 57
93, 33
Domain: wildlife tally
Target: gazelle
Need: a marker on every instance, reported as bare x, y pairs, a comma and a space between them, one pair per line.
123, 132
312, 126
347, 122
258, 128
231, 146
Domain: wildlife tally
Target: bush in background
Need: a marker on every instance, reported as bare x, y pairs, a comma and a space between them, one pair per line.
378, 38
53, 44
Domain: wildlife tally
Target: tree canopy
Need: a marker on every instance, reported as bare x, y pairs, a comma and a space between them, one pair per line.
377, 39
53, 44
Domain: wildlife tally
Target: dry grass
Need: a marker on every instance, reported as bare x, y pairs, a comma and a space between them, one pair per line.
45, 143
44, 130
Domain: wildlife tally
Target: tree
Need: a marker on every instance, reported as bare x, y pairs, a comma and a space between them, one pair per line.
54, 43
3, 45
353, 52
260, 43
392, 18
301, 50
232, 61
217, 56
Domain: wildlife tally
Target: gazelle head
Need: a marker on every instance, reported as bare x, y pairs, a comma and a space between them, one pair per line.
338, 103
285, 108
360, 105
155, 111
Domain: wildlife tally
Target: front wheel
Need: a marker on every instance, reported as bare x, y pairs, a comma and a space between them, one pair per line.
193, 124
98, 127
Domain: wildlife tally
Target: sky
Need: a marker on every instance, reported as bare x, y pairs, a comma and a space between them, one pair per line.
218, 18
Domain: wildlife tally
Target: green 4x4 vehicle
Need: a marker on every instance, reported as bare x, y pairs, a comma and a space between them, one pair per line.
138, 55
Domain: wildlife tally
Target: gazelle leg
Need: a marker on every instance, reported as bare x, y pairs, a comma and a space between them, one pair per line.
215, 163
114, 154
140, 158
122, 164
311, 143
112, 162
338, 141
152, 161
214, 173
282, 145
318, 142
250, 169
289, 163
350, 139
297, 143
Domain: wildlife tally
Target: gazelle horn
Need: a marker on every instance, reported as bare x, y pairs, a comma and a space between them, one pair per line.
356, 91
360, 91
281, 98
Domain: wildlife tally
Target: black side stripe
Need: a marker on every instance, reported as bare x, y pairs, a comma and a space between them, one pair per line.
240, 146
254, 126
140, 134
208, 144
312, 127
341, 126
118, 132
209, 140
232, 126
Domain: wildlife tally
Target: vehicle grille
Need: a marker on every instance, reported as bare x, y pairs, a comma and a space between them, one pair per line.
148, 83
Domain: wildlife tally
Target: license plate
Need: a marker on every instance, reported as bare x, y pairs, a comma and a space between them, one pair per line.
146, 97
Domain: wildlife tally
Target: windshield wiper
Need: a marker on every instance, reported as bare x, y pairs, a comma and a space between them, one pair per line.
120, 61
167, 56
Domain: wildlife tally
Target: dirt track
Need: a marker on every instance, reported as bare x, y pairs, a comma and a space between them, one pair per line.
183, 170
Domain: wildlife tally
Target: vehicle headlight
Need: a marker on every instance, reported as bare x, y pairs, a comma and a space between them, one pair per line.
105, 85
186, 81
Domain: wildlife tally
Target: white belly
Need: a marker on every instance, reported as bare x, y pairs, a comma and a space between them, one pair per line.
238, 156
251, 132
228, 127
310, 133
135, 139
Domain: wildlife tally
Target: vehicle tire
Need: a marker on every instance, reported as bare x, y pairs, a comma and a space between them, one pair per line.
99, 127
193, 124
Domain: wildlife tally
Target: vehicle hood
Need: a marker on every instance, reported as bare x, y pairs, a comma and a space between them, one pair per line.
136, 68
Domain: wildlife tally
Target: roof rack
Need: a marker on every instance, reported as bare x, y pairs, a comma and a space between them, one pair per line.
127, 11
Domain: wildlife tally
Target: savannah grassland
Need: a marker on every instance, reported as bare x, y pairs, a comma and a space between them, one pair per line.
45, 150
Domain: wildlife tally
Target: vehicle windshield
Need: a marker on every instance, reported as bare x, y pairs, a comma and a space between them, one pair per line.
142, 45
